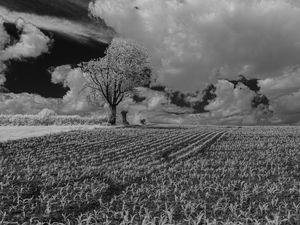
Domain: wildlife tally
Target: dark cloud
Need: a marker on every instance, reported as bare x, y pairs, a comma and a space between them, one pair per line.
258, 38
196, 101
252, 84
208, 95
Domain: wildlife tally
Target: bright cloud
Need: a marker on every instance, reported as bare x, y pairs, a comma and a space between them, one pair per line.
76, 98
60, 74
231, 100
74, 102
190, 40
32, 43
282, 91
25, 103
235, 105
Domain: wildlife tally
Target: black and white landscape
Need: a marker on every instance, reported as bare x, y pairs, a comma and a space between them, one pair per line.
149, 111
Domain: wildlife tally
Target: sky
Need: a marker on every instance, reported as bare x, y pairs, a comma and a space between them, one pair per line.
66, 41
192, 43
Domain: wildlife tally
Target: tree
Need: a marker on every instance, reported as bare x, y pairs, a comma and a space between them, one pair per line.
125, 67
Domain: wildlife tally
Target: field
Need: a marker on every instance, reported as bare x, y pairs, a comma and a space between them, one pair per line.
19, 132
205, 175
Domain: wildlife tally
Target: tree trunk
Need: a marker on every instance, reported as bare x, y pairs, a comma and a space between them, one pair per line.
113, 115
124, 117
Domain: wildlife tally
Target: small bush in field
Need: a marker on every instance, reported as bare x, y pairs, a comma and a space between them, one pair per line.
46, 113
44, 117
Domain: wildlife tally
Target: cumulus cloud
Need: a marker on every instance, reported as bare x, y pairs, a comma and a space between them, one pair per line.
234, 104
192, 40
76, 98
32, 43
74, 102
60, 74
230, 100
25, 103
275, 102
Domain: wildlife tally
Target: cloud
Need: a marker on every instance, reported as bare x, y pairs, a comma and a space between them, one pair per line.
236, 103
190, 40
60, 74
230, 100
277, 101
75, 101
4, 39
288, 108
32, 43
25, 103
82, 30
287, 83
284, 93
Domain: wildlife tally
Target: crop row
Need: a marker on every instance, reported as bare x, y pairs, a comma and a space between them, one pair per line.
206, 175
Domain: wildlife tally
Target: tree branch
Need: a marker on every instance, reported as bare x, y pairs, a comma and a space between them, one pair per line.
121, 99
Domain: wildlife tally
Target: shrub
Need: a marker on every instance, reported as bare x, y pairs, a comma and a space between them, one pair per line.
46, 113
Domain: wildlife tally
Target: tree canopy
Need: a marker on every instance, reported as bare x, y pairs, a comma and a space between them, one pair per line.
125, 67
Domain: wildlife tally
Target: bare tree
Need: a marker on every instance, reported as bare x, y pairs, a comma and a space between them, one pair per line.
125, 67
